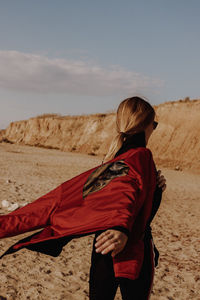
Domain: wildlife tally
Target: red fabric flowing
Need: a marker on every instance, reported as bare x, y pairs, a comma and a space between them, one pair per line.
65, 211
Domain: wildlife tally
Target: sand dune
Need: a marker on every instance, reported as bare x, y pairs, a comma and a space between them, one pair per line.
175, 143
27, 172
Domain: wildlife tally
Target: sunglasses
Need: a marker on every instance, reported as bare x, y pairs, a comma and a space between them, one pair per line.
155, 124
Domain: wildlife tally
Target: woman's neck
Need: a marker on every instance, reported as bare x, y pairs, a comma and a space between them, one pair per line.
133, 141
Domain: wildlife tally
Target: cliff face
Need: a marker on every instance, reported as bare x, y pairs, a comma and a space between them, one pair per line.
175, 142
2, 134
89, 134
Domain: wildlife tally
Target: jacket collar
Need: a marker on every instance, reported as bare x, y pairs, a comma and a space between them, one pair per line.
133, 141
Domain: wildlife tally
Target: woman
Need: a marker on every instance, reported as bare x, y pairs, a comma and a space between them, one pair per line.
135, 124
116, 200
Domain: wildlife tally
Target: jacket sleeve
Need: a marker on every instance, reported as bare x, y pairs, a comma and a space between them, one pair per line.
132, 198
143, 175
33, 216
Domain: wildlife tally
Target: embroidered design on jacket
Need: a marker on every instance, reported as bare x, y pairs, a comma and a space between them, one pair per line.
103, 175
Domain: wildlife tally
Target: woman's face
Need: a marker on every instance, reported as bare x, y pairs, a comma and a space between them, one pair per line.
149, 130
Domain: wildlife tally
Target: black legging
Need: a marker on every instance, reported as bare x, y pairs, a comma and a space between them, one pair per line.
103, 284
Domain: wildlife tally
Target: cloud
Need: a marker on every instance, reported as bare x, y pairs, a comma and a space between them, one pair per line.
25, 72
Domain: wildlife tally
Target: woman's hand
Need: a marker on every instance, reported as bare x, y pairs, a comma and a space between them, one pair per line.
161, 181
111, 240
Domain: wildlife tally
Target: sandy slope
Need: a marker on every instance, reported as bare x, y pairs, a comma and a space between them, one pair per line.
33, 172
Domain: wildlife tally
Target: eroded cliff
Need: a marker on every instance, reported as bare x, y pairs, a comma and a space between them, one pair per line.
175, 142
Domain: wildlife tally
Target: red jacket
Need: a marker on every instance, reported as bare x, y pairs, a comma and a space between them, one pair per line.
116, 193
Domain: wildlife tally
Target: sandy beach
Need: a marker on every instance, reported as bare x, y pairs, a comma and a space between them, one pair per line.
27, 173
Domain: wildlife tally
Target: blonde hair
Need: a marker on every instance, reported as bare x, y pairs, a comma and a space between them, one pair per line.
133, 115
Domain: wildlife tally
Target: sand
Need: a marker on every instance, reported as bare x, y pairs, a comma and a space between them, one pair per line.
27, 173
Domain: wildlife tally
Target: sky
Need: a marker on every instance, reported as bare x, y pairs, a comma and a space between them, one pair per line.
75, 57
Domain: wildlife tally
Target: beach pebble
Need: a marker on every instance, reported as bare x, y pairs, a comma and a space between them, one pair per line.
5, 203
13, 207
